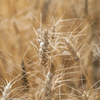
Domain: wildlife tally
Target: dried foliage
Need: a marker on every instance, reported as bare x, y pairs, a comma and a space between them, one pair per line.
49, 50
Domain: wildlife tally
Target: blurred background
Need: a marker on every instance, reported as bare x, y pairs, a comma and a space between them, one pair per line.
17, 17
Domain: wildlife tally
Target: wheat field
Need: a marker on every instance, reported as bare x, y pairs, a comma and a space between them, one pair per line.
49, 50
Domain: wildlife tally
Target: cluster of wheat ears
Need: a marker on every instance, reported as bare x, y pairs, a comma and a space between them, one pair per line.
61, 67
67, 80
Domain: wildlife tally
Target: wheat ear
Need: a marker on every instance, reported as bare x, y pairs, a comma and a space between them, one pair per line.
25, 82
7, 91
76, 57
